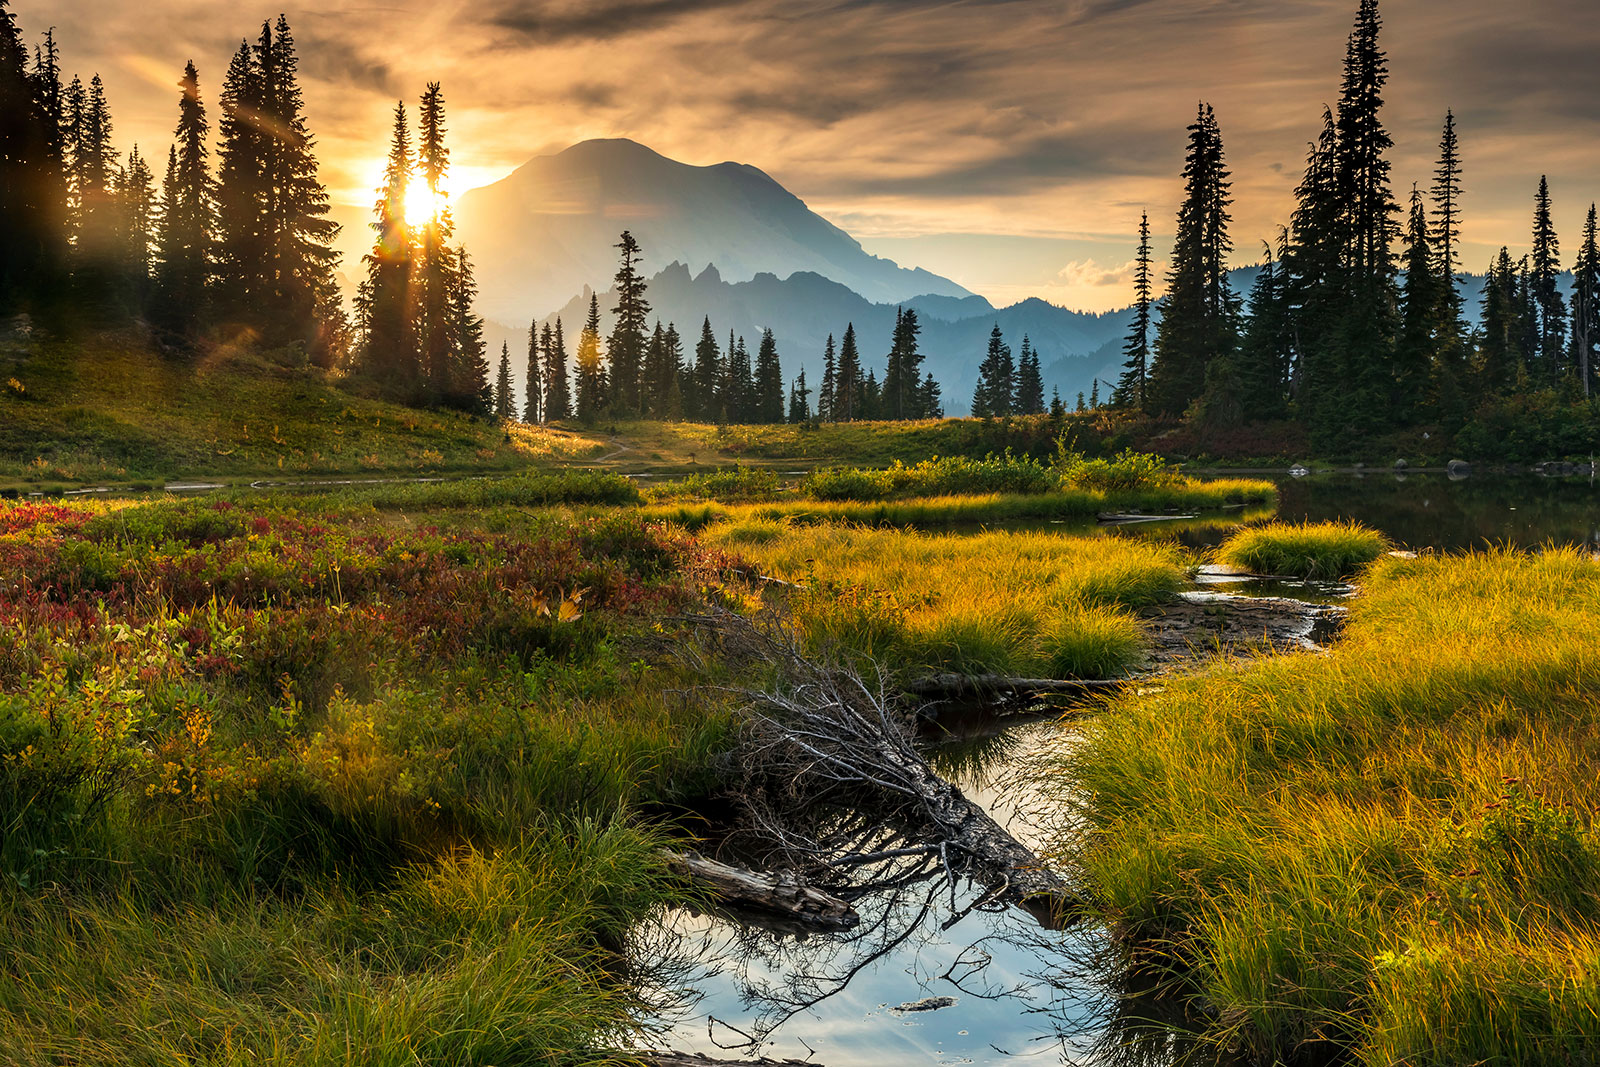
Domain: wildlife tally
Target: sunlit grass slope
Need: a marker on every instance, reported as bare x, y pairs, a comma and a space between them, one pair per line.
1389, 848
108, 411
280, 780
998, 602
1308, 550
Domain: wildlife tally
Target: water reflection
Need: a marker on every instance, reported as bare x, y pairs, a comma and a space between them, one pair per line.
1018, 992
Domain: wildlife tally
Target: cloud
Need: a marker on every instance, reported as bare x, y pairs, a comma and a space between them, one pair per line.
1086, 273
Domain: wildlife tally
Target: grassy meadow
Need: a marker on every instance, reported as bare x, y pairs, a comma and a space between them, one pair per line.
1387, 851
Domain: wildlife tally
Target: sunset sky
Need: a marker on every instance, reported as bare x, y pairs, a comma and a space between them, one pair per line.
1007, 145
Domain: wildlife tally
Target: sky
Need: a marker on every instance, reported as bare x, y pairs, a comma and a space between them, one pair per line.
1007, 144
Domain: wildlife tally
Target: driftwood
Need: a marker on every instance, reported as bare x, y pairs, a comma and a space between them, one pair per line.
1108, 519
700, 1059
783, 894
823, 735
958, 685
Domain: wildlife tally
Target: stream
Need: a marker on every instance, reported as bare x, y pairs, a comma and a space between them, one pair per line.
935, 976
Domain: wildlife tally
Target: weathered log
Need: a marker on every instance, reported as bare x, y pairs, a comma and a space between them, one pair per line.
779, 894
700, 1059
953, 685
1108, 519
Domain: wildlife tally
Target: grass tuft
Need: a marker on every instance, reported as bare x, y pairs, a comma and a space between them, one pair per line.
1309, 550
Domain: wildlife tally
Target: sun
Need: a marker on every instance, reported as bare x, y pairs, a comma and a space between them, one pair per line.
421, 203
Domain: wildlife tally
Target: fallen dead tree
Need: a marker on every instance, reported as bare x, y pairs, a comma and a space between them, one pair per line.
783, 894
822, 737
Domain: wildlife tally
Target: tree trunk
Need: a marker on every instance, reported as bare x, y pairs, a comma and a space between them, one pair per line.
778, 894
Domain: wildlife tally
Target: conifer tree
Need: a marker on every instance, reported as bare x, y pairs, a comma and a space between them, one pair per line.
1499, 345
239, 191
1549, 306
625, 347
799, 399
1057, 408
97, 252
187, 230
996, 388
903, 376
653, 373
434, 258
1586, 304
1266, 351
700, 402
1367, 321
505, 401
558, 387
1446, 195
847, 382
136, 228
869, 402
767, 406
932, 399
33, 188
298, 287
1416, 349
738, 391
1082, 407
391, 354
1094, 394
591, 394
1030, 381
533, 376
830, 384
1130, 391
673, 405
1199, 314
470, 351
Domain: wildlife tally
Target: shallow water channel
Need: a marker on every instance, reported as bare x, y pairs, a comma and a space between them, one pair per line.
930, 978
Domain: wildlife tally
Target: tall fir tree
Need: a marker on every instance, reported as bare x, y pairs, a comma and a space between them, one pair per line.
471, 353
435, 259
767, 403
1030, 381
701, 401
1499, 336
1549, 306
1586, 304
505, 398
932, 398
533, 376
799, 399
738, 390
847, 382
653, 374
830, 383
902, 377
672, 404
995, 392
557, 384
625, 347
591, 392
239, 192
390, 351
298, 300
1199, 317
98, 251
1131, 387
33, 185
1265, 355
1367, 320
188, 231
1446, 196
1417, 347
136, 229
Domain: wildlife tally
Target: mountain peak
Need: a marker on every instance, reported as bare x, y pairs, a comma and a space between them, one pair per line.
546, 230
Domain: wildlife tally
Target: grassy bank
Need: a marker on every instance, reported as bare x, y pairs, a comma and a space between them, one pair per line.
106, 410
1387, 850
1009, 603
280, 781
1305, 550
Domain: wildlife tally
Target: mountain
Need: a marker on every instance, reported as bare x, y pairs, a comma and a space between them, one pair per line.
549, 228
802, 309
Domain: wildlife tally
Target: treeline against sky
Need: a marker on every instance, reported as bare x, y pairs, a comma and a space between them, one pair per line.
1355, 324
